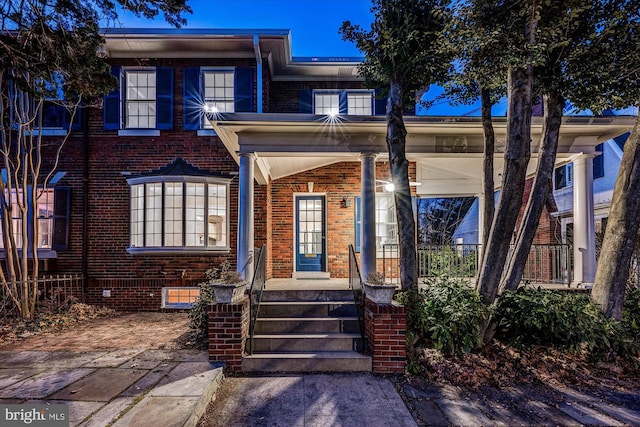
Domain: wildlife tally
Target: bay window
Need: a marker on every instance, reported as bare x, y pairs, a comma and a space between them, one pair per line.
179, 213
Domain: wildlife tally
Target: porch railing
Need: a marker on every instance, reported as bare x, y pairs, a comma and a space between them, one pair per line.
355, 284
551, 264
255, 293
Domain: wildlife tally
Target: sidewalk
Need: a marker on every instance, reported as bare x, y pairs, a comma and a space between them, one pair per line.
121, 387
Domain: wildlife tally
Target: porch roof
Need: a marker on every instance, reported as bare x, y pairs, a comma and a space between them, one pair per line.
447, 150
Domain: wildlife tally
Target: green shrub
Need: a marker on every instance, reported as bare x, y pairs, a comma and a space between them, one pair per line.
446, 314
198, 315
560, 319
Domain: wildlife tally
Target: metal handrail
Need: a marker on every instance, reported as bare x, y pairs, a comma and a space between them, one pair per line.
355, 283
255, 293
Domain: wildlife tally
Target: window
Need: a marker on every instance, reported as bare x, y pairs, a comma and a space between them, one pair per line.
386, 224
218, 91
179, 212
51, 216
343, 102
327, 104
564, 176
140, 99
598, 162
183, 297
359, 104
143, 105
209, 91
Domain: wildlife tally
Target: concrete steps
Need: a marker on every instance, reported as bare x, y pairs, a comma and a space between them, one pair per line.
307, 331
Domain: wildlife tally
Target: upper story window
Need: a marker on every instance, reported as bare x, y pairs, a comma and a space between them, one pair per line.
563, 176
142, 104
179, 212
359, 104
140, 99
210, 91
326, 104
344, 102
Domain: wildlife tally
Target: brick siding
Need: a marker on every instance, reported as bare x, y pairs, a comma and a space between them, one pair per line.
386, 332
228, 329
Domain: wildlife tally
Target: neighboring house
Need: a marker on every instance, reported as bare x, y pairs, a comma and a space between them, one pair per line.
218, 141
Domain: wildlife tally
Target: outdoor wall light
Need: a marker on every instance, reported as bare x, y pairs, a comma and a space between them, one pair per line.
345, 202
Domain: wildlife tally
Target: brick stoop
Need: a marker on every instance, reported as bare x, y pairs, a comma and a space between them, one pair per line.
307, 331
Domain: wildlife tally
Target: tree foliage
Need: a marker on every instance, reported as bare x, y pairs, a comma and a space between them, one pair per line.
50, 56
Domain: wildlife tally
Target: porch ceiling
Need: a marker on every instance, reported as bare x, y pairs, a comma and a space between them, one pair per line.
447, 150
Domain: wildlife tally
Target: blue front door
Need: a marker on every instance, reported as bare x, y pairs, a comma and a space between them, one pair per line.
310, 233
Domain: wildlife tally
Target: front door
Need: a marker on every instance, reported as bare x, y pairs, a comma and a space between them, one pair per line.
310, 233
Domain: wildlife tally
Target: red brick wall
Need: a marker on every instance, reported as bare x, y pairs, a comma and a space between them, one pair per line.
228, 328
336, 181
548, 231
386, 330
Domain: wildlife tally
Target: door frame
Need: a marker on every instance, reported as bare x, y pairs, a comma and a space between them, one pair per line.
323, 263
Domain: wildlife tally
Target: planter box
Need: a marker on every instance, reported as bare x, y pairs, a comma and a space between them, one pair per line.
380, 294
227, 293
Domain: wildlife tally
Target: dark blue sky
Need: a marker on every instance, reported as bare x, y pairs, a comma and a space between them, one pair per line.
314, 24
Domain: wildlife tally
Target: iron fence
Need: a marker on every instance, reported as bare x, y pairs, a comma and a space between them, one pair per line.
551, 264
255, 293
355, 283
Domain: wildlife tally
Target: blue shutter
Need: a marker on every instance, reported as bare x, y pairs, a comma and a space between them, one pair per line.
379, 103
164, 98
598, 163
357, 221
112, 104
343, 103
61, 205
193, 100
243, 86
306, 101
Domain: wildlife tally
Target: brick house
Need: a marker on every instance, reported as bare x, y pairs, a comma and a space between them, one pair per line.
219, 141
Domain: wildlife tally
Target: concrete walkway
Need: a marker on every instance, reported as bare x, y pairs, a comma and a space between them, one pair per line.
308, 400
153, 388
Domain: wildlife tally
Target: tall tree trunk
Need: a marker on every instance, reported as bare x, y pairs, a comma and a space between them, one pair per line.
488, 186
621, 232
516, 159
553, 108
399, 165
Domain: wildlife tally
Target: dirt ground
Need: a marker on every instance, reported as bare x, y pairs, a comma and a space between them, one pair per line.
120, 331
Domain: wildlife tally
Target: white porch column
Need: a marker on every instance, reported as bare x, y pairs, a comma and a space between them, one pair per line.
245, 215
584, 237
368, 212
481, 200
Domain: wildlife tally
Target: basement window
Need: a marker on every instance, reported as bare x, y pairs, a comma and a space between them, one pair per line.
179, 298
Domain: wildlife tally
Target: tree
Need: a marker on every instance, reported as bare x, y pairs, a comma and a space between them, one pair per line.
406, 48
615, 44
512, 24
50, 64
563, 31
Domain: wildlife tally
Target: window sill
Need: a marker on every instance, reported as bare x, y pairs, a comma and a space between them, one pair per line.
49, 132
138, 132
177, 251
207, 132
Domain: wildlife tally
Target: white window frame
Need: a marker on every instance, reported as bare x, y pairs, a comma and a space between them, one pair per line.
360, 94
217, 102
179, 305
215, 222
327, 108
385, 230
45, 221
149, 101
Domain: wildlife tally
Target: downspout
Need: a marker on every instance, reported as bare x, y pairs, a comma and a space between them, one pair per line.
256, 48
85, 200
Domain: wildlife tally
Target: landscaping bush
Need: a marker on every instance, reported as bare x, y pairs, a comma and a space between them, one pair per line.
445, 315
560, 319
198, 315
631, 313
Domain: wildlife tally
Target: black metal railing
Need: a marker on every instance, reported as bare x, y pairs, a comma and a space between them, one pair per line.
552, 264
255, 293
355, 284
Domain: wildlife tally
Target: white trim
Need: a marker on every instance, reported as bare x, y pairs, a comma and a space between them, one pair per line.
614, 147
138, 132
294, 242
